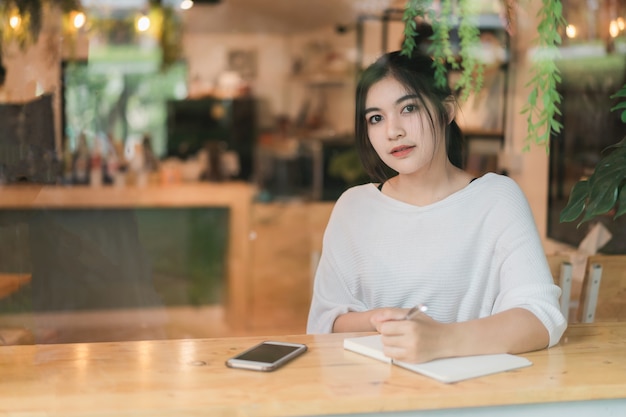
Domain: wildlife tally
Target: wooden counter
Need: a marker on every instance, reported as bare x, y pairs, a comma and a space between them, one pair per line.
585, 373
236, 196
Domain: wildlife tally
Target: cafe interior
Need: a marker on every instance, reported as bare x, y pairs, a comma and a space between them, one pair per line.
178, 161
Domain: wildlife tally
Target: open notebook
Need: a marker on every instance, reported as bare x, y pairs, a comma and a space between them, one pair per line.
445, 370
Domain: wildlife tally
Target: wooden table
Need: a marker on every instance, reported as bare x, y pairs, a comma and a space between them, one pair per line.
585, 374
236, 196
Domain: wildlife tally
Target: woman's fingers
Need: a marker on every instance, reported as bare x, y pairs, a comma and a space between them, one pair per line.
386, 314
410, 340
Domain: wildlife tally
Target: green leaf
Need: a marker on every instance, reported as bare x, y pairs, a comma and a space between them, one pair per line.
576, 203
602, 198
604, 180
618, 106
621, 201
532, 97
612, 164
604, 187
620, 144
620, 93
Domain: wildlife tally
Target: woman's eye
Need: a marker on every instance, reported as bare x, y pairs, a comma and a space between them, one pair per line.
375, 119
409, 108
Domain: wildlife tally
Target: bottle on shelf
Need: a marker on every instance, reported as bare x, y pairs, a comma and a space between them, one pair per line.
95, 171
81, 162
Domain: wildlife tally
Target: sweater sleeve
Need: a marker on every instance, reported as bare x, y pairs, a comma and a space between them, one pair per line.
334, 286
525, 277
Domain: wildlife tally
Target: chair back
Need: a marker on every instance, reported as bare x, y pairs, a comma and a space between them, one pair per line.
604, 289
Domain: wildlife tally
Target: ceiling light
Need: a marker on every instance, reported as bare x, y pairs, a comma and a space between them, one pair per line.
570, 31
78, 19
15, 21
186, 4
613, 29
143, 23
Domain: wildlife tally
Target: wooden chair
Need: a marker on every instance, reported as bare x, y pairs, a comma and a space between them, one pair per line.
561, 269
604, 289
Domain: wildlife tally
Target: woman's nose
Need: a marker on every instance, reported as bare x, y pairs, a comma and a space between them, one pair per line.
395, 130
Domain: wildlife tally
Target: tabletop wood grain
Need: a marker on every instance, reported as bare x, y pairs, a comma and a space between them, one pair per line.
189, 378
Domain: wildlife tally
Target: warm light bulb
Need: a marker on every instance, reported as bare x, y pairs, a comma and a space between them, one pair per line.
186, 4
570, 31
15, 21
143, 23
621, 24
79, 20
613, 29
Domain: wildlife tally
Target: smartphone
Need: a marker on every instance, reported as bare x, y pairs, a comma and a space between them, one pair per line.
266, 356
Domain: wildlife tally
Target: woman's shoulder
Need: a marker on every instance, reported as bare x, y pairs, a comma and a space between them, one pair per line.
500, 190
498, 183
355, 199
358, 192
493, 178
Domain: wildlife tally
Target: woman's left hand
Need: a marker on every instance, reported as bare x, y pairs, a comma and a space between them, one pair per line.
417, 340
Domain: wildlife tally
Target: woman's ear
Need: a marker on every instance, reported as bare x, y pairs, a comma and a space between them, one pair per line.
450, 105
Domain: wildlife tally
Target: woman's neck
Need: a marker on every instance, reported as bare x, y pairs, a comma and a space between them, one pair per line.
427, 187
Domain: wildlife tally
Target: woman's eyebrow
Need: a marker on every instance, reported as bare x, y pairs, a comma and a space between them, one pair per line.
398, 101
407, 97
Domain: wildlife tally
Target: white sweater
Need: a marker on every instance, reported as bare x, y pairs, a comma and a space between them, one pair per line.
471, 255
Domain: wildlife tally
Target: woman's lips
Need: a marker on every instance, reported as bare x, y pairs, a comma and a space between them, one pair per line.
401, 151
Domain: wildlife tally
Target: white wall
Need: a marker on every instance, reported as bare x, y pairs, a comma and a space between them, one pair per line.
207, 58
279, 90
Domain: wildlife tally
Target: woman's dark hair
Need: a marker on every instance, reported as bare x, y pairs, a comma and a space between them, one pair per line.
416, 73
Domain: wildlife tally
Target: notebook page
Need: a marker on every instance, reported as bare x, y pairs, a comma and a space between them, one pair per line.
446, 370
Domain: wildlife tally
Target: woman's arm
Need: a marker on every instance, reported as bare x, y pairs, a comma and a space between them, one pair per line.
512, 331
423, 339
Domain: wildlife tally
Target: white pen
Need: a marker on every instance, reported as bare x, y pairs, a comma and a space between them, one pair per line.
420, 308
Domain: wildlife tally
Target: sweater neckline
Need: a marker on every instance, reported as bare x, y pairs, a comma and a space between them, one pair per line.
448, 199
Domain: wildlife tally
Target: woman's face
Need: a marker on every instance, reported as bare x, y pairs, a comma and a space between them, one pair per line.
399, 128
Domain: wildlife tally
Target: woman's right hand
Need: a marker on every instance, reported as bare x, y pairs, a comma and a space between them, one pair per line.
414, 340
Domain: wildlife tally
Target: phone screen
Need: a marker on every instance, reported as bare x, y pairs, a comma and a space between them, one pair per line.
267, 356
267, 352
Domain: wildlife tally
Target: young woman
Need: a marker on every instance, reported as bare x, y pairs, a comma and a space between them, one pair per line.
428, 233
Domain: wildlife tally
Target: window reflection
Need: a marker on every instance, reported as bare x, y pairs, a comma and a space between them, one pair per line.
124, 273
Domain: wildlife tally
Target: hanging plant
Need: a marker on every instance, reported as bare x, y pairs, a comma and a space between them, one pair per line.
542, 108
543, 100
604, 192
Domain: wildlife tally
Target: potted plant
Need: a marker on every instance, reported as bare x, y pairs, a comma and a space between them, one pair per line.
604, 191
